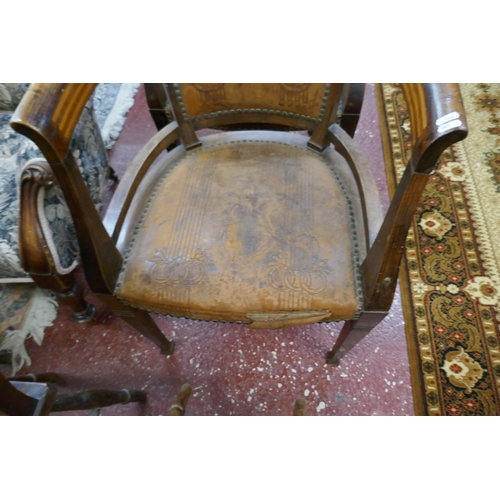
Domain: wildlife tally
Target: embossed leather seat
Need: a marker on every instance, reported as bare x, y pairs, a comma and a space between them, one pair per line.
258, 224
255, 223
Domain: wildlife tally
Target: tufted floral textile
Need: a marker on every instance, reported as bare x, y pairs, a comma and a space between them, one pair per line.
15, 151
451, 278
11, 94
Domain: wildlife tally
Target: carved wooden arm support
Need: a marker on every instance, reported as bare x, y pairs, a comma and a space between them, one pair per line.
38, 252
39, 255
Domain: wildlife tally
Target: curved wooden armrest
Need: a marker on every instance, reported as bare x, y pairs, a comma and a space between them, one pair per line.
437, 121
367, 188
38, 253
135, 172
51, 110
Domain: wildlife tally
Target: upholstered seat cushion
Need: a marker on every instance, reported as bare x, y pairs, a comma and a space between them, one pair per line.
253, 229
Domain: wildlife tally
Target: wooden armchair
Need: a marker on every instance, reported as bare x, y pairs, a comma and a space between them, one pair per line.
265, 227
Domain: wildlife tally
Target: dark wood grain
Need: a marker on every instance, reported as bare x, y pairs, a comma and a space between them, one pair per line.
427, 104
352, 333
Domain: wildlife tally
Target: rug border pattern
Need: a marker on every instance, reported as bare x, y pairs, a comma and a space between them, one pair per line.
479, 250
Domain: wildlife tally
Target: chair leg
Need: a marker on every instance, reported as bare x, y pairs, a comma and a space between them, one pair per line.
112, 174
300, 408
352, 333
179, 407
89, 400
68, 293
48, 378
82, 311
143, 323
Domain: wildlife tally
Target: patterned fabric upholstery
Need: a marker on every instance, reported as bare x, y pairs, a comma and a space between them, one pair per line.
15, 150
10, 95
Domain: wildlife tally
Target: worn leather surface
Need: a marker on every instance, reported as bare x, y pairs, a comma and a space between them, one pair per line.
301, 98
245, 227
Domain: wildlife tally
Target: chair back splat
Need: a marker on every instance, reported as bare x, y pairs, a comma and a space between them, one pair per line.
303, 106
256, 223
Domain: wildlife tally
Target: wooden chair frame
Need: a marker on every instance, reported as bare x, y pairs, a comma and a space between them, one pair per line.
48, 114
36, 395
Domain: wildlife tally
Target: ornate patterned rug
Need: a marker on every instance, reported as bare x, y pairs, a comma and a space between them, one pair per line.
450, 280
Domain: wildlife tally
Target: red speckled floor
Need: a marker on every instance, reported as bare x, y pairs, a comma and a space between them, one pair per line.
233, 370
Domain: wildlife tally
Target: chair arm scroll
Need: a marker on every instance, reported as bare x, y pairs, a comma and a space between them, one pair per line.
52, 112
38, 252
437, 119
